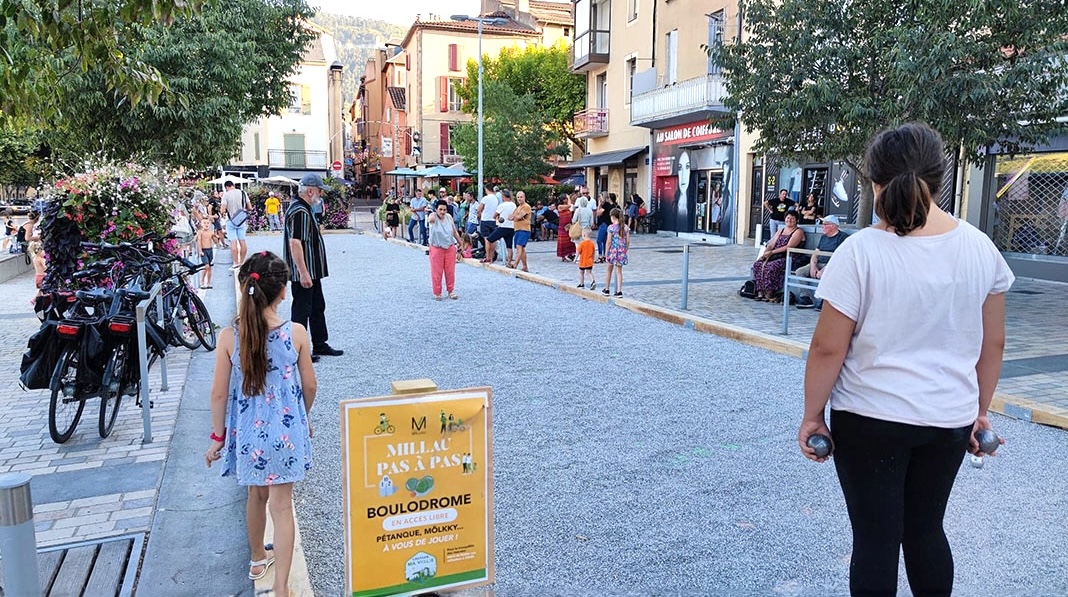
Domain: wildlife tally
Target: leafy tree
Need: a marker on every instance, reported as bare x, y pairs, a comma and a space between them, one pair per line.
541, 72
517, 141
819, 78
19, 164
225, 68
42, 41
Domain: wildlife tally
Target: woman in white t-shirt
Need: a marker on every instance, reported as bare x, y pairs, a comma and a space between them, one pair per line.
908, 352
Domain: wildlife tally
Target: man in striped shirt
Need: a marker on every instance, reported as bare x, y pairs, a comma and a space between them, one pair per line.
305, 255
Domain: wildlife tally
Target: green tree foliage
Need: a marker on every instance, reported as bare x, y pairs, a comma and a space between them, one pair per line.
517, 141
819, 78
541, 72
43, 41
19, 164
225, 67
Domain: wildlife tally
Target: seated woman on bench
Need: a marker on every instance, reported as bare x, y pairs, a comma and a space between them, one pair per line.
769, 271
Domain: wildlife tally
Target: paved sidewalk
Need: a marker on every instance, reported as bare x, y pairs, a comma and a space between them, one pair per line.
1034, 379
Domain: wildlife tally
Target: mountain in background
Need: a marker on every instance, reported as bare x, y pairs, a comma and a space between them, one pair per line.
356, 41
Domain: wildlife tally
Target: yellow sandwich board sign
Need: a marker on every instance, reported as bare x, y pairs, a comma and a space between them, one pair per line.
418, 489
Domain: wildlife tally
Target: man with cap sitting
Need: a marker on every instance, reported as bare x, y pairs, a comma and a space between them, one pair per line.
305, 254
832, 238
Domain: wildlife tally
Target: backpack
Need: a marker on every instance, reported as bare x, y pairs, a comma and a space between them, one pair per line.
748, 290
40, 359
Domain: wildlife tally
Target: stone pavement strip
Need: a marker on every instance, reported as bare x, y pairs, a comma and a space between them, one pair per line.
1034, 380
89, 487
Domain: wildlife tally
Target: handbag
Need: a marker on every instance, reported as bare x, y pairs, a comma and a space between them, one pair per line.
237, 220
575, 230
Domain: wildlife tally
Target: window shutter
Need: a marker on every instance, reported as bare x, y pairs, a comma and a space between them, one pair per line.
454, 58
446, 143
407, 62
443, 94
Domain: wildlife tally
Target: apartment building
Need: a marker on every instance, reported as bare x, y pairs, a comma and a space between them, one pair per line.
652, 94
609, 48
382, 138
309, 135
437, 50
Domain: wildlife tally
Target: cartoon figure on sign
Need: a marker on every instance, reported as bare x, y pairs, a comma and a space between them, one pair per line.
444, 421
383, 425
386, 487
469, 463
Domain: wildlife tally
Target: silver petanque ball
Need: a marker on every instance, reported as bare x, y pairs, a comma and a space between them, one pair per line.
988, 441
821, 444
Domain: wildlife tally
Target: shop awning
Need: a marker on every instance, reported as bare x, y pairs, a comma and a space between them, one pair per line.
609, 158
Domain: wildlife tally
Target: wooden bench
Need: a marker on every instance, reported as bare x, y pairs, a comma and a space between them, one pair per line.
104, 567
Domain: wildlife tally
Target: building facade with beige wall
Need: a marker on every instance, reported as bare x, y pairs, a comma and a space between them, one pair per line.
382, 138
652, 94
613, 40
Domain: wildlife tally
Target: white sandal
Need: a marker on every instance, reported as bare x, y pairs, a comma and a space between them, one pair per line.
265, 562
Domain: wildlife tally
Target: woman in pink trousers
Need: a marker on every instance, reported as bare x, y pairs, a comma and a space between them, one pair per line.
443, 241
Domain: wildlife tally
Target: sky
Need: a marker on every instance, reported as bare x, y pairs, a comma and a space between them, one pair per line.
400, 12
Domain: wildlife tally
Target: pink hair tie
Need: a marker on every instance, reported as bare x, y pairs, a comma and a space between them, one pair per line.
254, 276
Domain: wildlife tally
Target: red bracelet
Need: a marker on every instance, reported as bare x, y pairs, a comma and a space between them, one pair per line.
217, 438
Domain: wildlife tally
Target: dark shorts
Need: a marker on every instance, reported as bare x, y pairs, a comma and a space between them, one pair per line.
586, 269
522, 237
486, 228
502, 233
207, 256
471, 228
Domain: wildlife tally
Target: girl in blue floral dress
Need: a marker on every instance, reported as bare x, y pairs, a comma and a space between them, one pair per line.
263, 389
618, 245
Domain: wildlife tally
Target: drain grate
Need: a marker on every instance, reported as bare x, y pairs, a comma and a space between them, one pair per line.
101, 567
669, 251
1026, 292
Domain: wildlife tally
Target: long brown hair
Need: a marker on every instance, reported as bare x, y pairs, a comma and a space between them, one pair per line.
617, 215
908, 162
263, 276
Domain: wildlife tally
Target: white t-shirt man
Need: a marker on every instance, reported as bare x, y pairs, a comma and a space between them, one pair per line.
504, 210
418, 207
489, 207
917, 303
234, 200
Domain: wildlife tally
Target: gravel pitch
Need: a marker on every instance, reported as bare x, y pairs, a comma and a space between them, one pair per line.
634, 457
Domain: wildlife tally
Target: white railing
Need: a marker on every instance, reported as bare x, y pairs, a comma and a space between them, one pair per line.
692, 95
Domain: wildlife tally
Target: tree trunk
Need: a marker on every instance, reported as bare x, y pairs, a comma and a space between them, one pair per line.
866, 202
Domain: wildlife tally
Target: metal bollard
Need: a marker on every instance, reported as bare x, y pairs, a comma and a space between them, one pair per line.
685, 275
18, 544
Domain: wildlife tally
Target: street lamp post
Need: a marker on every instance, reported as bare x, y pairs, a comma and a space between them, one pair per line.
480, 21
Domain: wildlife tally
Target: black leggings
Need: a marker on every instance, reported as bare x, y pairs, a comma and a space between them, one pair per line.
896, 479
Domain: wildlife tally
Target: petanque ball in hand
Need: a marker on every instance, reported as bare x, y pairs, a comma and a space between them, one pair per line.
821, 444
988, 441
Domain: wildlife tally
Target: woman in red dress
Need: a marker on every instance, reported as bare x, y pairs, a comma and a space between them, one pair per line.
565, 247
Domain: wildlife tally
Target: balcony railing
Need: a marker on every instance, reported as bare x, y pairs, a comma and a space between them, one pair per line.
591, 123
290, 158
590, 50
678, 103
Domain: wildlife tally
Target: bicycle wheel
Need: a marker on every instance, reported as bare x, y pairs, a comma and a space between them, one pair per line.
64, 412
201, 320
111, 389
182, 328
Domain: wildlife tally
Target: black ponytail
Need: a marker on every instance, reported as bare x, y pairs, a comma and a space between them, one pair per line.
908, 162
